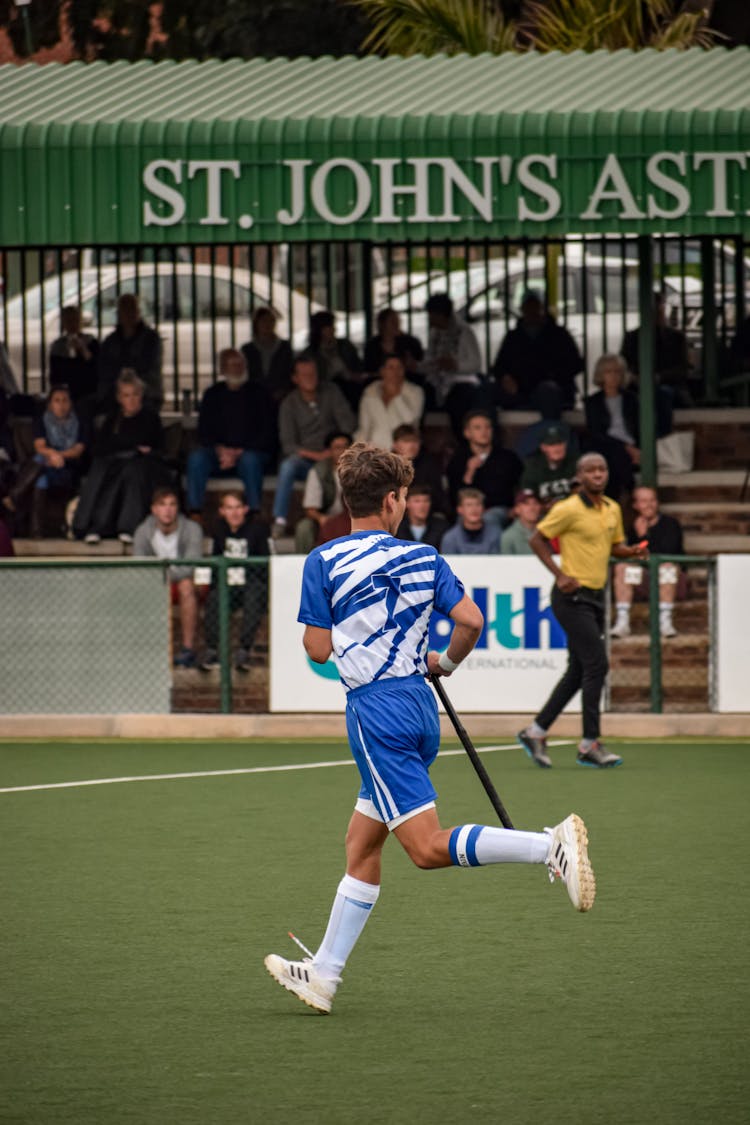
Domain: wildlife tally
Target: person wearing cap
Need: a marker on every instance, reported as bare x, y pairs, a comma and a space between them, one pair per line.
536, 351
527, 510
589, 528
550, 472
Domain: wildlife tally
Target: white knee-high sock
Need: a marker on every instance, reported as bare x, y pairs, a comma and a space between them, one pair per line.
474, 845
351, 908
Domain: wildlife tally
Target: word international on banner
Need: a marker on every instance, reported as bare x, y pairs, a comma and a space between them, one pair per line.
519, 656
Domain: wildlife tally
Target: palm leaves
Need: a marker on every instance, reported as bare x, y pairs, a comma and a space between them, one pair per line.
407, 27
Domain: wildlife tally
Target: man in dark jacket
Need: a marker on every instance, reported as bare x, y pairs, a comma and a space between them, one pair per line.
236, 432
536, 351
483, 464
132, 346
550, 472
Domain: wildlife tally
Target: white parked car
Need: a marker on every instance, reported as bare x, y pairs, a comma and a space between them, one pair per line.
197, 310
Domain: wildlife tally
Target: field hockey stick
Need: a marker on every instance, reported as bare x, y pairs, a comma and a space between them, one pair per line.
470, 749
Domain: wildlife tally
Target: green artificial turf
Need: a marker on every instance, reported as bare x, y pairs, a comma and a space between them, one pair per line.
135, 918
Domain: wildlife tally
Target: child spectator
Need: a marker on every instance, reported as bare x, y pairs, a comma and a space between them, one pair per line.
420, 524
322, 500
471, 534
238, 536
527, 512
166, 534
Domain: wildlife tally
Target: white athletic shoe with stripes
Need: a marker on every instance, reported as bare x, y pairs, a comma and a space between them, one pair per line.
301, 978
569, 860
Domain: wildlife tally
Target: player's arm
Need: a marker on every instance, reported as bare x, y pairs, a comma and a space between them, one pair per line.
317, 642
468, 624
542, 548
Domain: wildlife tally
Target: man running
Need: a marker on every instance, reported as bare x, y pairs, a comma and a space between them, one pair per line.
367, 598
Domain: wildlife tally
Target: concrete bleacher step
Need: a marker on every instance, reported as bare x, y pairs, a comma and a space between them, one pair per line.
702, 485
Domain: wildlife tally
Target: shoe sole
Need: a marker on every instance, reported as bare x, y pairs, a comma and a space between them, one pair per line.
313, 1001
597, 766
586, 880
530, 754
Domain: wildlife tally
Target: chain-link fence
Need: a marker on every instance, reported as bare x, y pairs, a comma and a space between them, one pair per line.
134, 635
661, 635
140, 636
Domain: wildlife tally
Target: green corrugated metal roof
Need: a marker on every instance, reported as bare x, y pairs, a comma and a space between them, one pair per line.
623, 81
77, 140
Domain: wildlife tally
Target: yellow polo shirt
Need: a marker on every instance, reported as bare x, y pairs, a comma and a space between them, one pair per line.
587, 533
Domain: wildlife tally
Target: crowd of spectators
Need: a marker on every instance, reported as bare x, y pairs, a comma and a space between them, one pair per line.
98, 437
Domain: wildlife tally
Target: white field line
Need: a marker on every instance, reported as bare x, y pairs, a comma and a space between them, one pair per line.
230, 773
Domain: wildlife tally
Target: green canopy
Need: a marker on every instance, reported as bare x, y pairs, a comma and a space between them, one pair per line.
462, 147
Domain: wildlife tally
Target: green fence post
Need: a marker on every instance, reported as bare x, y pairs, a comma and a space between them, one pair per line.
657, 693
646, 377
710, 344
224, 653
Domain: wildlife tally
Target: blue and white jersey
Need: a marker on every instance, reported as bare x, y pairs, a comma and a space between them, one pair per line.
376, 593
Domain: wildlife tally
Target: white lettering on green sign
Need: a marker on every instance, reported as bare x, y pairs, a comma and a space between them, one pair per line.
437, 189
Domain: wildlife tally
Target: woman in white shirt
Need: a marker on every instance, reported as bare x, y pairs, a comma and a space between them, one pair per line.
387, 403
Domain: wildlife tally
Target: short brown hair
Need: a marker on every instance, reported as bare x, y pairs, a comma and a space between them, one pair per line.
232, 494
368, 474
469, 494
162, 492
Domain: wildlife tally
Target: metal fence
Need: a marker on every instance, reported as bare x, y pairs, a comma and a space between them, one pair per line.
100, 636
201, 299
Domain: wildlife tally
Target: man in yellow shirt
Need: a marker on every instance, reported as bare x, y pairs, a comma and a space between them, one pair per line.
589, 527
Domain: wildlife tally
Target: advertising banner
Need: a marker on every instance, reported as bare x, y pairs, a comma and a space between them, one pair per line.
516, 662
732, 633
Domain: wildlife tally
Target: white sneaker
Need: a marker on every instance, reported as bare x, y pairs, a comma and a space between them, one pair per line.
92, 539
568, 860
620, 629
667, 629
301, 978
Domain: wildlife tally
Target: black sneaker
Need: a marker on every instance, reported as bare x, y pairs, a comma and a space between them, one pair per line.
185, 658
535, 748
242, 660
598, 757
210, 660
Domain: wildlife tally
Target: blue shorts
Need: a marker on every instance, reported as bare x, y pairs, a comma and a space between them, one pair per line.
394, 734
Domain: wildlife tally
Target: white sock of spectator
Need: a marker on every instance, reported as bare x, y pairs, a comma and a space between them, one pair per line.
623, 613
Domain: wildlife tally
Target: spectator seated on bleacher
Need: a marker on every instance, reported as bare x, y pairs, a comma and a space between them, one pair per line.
238, 536
336, 358
452, 365
126, 469
269, 359
390, 340
428, 470
664, 536
61, 440
420, 524
306, 417
166, 534
550, 472
612, 422
672, 370
322, 501
547, 399
390, 401
73, 360
471, 534
133, 346
236, 433
527, 512
537, 350
482, 463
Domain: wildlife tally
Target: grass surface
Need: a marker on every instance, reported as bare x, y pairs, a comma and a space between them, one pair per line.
136, 917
